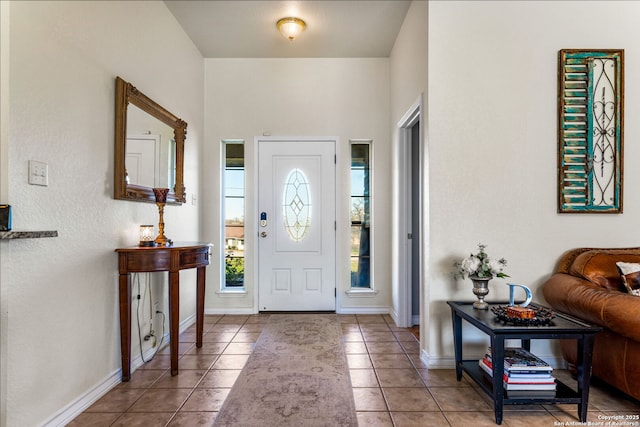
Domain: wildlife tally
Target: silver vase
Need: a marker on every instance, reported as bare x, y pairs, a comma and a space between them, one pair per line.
480, 290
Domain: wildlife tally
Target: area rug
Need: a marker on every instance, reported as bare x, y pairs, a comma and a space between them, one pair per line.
297, 376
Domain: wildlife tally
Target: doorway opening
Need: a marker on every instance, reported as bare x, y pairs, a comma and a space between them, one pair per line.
411, 209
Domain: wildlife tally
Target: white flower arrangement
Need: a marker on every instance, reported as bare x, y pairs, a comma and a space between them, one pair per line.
480, 265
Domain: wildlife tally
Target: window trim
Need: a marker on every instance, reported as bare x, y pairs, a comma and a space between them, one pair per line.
224, 289
370, 290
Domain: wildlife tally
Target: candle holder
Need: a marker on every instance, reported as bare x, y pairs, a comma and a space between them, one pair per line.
161, 199
146, 236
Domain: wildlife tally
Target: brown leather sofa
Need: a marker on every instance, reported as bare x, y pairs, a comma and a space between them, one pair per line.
587, 284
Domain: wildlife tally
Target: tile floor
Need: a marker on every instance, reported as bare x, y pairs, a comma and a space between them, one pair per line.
391, 386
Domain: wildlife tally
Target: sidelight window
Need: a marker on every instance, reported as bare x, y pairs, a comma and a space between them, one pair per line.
361, 214
233, 213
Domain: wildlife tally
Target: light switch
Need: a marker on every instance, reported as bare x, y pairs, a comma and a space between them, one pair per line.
38, 173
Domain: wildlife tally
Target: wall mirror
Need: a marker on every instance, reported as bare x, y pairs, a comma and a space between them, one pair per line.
149, 148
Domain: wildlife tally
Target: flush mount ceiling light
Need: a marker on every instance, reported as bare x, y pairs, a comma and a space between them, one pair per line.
291, 27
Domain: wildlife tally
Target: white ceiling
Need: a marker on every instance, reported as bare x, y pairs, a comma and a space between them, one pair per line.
335, 29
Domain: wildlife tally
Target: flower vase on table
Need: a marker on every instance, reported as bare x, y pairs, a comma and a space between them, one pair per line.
480, 268
480, 290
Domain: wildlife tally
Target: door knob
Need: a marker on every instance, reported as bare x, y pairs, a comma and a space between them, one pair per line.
263, 234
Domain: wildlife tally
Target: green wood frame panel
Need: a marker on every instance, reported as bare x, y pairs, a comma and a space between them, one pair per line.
590, 130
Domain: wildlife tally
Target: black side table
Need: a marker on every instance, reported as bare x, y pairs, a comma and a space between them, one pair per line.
561, 327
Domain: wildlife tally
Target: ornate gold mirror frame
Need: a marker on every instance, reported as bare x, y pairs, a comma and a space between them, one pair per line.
127, 94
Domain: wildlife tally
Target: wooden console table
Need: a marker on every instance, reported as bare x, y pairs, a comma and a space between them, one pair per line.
174, 258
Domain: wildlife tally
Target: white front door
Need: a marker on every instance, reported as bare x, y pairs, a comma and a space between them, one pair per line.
296, 224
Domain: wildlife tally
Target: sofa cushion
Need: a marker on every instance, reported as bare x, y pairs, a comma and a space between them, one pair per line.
600, 268
630, 272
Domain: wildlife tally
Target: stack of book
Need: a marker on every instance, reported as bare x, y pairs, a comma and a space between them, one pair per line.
525, 375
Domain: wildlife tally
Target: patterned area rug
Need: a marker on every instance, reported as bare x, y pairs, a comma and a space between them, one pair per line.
297, 376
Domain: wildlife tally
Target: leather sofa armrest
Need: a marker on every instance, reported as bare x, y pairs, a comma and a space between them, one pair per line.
613, 310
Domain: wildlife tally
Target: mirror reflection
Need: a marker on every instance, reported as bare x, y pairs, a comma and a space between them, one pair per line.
149, 148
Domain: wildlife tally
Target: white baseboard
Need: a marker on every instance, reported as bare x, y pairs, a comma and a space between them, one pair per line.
363, 310
79, 405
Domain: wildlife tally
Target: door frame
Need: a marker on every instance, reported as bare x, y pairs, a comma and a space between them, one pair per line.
255, 212
405, 261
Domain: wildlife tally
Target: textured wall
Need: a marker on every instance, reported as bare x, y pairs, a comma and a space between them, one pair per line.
63, 326
346, 98
493, 141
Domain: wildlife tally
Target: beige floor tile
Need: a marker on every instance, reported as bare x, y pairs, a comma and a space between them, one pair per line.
390, 361
186, 378
94, 419
569, 414
352, 337
208, 348
405, 336
420, 419
161, 400
188, 337
205, 399
374, 419
225, 329
459, 399
347, 318
220, 378
379, 336
384, 347
359, 361
231, 361
117, 400
528, 419
196, 361
363, 378
246, 337
252, 328
370, 318
355, 348
411, 347
234, 318
350, 327
218, 337
473, 418
157, 419
160, 361
442, 378
143, 378
606, 399
183, 348
399, 378
239, 348
369, 399
190, 419
409, 399
375, 327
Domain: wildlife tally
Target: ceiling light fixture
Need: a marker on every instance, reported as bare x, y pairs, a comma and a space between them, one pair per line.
291, 27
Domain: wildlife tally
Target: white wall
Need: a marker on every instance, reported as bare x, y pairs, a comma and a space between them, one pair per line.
408, 63
493, 141
347, 98
63, 325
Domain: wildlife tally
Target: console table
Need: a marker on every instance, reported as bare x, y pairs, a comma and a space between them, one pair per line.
174, 258
561, 327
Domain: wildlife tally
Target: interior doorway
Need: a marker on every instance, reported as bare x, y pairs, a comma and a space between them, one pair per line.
411, 230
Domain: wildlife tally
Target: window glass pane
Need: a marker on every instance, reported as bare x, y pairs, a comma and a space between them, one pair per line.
233, 215
360, 216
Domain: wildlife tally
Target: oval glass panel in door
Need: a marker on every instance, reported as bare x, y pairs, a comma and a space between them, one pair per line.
297, 205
